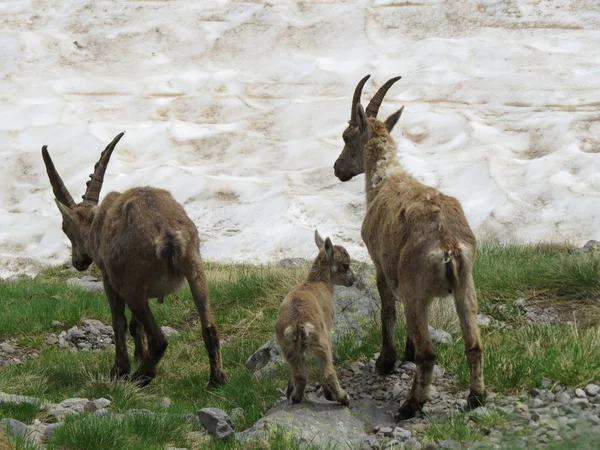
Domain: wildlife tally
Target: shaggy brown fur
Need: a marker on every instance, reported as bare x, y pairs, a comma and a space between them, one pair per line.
305, 319
145, 245
422, 248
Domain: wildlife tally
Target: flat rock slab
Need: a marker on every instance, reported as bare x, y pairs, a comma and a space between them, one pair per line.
316, 422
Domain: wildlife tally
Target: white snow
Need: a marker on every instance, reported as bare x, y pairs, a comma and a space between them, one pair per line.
238, 107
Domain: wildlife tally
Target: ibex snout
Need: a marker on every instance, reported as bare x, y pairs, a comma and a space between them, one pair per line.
82, 264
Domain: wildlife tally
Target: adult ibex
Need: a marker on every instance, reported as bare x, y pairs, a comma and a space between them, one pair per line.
145, 245
420, 243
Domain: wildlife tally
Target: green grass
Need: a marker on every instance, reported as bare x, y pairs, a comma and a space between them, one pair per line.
24, 412
245, 300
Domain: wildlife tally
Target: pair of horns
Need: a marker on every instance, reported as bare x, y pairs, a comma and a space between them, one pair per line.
94, 185
375, 103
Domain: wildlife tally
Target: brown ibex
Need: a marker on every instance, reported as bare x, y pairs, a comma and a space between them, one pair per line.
420, 243
305, 319
145, 245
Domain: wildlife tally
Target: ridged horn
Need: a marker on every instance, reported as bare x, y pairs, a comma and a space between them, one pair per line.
356, 98
375, 102
94, 185
58, 187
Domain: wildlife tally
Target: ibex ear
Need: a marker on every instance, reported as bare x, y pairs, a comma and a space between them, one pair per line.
66, 212
390, 122
329, 250
361, 118
319, 240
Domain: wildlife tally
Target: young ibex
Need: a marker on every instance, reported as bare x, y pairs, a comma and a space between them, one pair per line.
420, 243
145, 245
305, 319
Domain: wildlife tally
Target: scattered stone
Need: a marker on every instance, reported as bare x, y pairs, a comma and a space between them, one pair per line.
164, 402
15, 427
237, 415
440, 336
590, 247
6, 348
210, 418
97, 404
288, 263
223, 430
580, 393
449, 444
101, 412
483, 320
563, 398
169, 332
371, 442
141, 411
51, 428
56, 323
592, 390
59, 411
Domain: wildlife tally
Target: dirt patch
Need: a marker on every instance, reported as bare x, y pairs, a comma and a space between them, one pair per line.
12, 353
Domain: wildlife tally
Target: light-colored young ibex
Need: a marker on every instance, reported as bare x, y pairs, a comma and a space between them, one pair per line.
305, 319
420, 243
145, 245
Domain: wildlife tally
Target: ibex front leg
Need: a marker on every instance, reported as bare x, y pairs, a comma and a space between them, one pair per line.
210, 334
121, 367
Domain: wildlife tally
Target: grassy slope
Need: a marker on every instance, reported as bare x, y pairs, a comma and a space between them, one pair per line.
245, 300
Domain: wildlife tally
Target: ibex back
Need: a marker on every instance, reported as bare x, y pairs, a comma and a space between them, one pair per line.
146, 246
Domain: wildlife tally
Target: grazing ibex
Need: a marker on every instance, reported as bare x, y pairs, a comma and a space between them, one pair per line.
305, 319
420, 243
145, 245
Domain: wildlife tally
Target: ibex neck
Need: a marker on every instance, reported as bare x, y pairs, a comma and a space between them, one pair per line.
320, 271
379, 157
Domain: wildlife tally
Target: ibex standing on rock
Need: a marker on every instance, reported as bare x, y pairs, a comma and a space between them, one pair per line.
145, 245
420, 243
305, 319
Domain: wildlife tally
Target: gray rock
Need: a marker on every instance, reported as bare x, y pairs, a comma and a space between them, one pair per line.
15, 427
210, 418
51, 339
51, 428
412, 444
580, 393
592, 390
371, 442
10, 399
385, 431
293, 262
88, 278
580, 402
60, 410
563, 397
169, 332
438, 372
590, 246
101, 412
93, 285
449, 444
6, 348
483, 320
318, 423
97, 404
263, 356
393, 443
440, 336
74, 334
401, 434
223, 430
57, 323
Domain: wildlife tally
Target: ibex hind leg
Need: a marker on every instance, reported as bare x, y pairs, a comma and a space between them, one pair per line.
210, 334
157, 343
136, 330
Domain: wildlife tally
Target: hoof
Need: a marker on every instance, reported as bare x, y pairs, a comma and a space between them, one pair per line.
118, 373
475, 400
217, 379
327, 394
408, 410
295, 400
385, 364
142, 379
345, 400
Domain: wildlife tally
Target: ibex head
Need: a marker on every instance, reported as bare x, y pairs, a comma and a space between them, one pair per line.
351, 161
77, 217
338, 261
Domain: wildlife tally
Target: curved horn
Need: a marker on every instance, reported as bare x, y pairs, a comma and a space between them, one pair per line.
58, 187
356, 98
92, 193
375, 102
